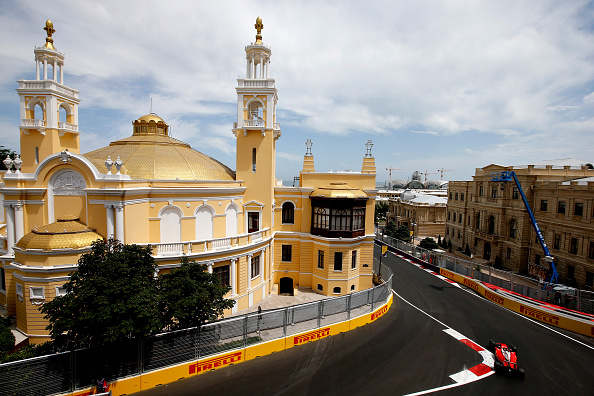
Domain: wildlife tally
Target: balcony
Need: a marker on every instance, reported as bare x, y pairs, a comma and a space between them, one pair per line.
487, 237
64, 127
33, 124
48, 84
255, 83
207, 246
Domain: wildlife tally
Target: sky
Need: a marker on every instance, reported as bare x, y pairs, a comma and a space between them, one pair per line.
444, 84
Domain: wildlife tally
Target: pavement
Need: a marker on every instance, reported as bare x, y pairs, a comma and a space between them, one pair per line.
275, 301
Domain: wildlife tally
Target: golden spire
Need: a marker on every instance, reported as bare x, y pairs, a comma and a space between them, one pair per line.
259, 26
49, 41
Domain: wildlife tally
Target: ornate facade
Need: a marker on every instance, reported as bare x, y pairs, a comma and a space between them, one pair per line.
151, 189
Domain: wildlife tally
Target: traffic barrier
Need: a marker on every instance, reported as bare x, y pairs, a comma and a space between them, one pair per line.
536, 313
170, 374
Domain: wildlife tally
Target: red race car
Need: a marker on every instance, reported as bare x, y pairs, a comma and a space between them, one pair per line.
506, 359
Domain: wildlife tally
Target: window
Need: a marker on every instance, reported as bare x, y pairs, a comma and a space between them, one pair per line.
447, 230
515, 193
19, 290
322, 218
449, 215
336, 290
321, 259
460, 218
570, 272
543, 205
254, 160
561, 207
2, 279
288, 213
573, 246
320, 288
591, 250
223, 273
537, 258
461, 196
337, 261
37, 293
36, 155
456, 196
354, 260
475, 242
255, 266
481, 190
450, 195
557, 242
477, 223
454, 217
578, 209
287, 251
512, 228
458, 234
341, 219
589, 278
508, 253
491, 225
253, 221
352, 288
358, 219
494, 192
60, 291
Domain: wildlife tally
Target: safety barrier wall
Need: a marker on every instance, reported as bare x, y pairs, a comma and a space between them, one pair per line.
141, 364
568, 297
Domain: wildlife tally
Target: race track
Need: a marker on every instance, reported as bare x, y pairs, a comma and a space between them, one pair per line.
407, 351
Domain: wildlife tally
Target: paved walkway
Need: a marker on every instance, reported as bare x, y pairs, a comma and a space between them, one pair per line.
275, 301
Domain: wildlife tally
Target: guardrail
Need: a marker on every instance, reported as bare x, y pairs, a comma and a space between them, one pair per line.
78, 370
565, 296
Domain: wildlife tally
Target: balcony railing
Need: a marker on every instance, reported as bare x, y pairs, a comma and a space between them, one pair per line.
32, 123
48, 84
68, 126
254, 123
206, 246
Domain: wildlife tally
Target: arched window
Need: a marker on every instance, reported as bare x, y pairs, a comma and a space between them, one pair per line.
477, 223
231, 220
171, 225
204, 223
321, 218
336, 290
288, 213
341, 219
512, 228
491, 230
254, 159
38, 112
358, 219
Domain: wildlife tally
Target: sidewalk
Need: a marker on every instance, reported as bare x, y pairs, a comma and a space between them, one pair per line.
275, 301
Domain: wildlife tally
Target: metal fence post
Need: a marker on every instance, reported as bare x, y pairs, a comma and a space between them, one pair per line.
579, 300
285, 323
490, 274
511, 281
72, 370
197, 342
372, 295
245, 327
320, 310
140, 355
348, 307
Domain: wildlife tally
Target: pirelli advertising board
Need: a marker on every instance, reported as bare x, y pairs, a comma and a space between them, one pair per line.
540, 314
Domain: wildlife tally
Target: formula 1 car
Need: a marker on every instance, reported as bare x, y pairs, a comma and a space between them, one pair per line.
506, 359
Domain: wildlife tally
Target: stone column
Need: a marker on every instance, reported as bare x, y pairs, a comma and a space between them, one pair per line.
9, 229
210, 265
253, 71
45, 69
55, 71
62, 74
247, 68
110, 221
249, 270
233, 277
36, 69
19, 225
119, 222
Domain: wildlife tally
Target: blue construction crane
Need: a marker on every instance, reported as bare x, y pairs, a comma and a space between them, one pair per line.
507, 176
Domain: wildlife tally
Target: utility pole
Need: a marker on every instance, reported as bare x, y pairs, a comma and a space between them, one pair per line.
391, 169
444, 170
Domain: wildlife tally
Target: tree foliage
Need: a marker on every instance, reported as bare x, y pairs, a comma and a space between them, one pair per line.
112, 297
428, 243
393, 231
381, 208
7, 339
191, 296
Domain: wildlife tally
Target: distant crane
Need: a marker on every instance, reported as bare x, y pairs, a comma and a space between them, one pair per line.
391, 169
427, 173
444, 170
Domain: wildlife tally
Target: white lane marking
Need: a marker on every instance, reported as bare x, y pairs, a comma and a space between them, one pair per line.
465, 376
464, 379
454, 334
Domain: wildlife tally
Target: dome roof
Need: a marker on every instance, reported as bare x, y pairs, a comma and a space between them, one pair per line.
338, 190
407, 195
150, 153
67, 233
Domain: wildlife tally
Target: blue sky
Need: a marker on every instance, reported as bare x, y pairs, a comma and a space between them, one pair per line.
435, 84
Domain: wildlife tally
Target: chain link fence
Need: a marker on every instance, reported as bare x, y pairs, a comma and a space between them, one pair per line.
70, 371
565, 296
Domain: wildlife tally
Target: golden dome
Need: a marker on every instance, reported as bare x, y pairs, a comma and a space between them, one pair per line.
337, 190
67, 233
151, 154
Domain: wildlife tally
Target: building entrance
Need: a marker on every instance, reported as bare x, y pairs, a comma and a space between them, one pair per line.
487, 251
286, 286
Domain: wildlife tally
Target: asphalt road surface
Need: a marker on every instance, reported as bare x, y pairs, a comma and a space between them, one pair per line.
407, 351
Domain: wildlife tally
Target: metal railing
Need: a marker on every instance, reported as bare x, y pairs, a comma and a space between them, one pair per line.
79, 369
565, 296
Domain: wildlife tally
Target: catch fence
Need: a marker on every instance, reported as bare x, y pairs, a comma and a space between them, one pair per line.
79, 369
568, 297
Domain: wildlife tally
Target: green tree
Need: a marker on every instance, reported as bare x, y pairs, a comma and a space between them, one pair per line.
112, 297
428, 243
190, 296
402, 233
7, 339
390, 229
381, 208
3, 153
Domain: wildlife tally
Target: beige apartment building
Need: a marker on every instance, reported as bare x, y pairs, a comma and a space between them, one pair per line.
421, 212
491, 219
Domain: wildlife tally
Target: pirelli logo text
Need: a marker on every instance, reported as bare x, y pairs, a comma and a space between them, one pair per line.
447, 274
215, 363
471, 284
311, 336
379, 312
497, 299
536, 314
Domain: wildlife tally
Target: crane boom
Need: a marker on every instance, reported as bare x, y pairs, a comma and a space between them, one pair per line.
507, 176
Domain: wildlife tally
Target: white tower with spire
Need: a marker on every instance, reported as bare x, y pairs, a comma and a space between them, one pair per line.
49, 109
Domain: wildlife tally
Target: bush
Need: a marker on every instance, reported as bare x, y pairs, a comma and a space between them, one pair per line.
7, 339
428, 243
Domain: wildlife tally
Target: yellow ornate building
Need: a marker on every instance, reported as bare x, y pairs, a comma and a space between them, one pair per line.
151, 189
